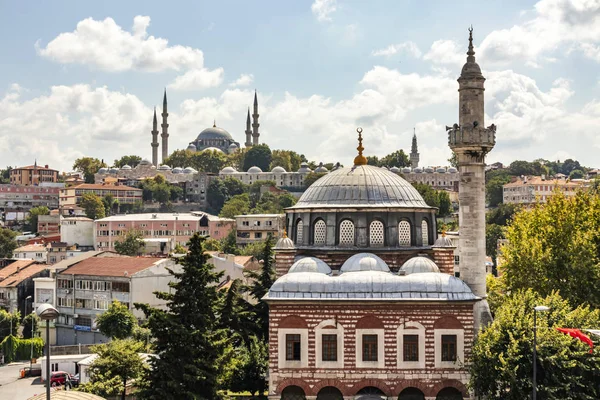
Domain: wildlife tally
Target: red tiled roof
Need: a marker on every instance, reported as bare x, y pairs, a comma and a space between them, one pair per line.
12, 268
23, 274
242, 260
101, 187
111, 266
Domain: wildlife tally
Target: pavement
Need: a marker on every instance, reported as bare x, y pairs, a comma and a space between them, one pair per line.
14, 388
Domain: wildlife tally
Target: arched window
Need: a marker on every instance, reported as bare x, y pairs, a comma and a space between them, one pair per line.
347, 233
299, 231
404, 233
425, 232
376, 234
293, 393
320, 233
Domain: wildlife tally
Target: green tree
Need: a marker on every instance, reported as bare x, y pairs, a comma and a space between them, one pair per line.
493, 233
8, 320
569, 165
209, 161
179, 249
556, 246
93, 206
312, 177
161, 193
289, 160
176, 193
428, 193
179, 158
32, 217
118, 322
229, 244
185, 334
237, 205
28, 321
211, 244
88, 166
494, 182
5, 175
502, 215
255, 191
577, 174
235, 315
259, 156
250, 373
131, 243
453, 160
132, 161
236, 159
261, 282
444, 203
286, 200
501, 365
117, 363
234, 186
217, 195
252, 249
8, 244
396, 159
373, 160
110, 204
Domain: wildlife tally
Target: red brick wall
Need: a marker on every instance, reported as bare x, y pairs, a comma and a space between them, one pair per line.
444, 258
283, 261
390, 379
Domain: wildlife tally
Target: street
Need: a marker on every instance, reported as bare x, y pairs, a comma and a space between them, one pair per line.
13, 388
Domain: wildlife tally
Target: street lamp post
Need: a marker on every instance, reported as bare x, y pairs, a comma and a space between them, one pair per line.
535, 311
47, 313
31, 354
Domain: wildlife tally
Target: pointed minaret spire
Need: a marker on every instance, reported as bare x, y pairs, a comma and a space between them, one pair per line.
248, 130
414, 152
471, 52
214, 123
165, 129
154, 120
255, 123
154, 143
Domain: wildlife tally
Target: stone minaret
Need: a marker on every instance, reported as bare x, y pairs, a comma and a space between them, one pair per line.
414, 152
471, 141
154, 132
248, 130
255, 123
165, 130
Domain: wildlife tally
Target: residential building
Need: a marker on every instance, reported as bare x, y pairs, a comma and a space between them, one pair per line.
86, 288
48, 224
439, 178
45, 292
533, 189
58, 251
17, 200
36, 251
233, 266
84, 366
33, 175
167, 229
16, 283
254, 228
195, 190
72, 195
78, 231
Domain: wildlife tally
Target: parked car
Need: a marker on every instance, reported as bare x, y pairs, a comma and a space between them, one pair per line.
59, 378
74, 380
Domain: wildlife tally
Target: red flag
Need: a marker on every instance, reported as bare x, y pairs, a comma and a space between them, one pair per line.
577, 334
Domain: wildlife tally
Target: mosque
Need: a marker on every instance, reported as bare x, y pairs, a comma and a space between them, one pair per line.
366, 305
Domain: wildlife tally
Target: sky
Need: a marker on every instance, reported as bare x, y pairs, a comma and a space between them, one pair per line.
81, 78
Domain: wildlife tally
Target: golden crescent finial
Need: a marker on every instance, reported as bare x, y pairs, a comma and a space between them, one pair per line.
360, 159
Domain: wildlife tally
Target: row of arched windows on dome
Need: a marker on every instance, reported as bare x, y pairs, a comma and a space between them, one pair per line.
376, 233
369, 393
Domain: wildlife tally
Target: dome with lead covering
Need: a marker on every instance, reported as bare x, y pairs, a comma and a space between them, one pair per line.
254, 170
126, 167
310, 264
191, 147
214, 133
164, 168
364, 262
177, 170
284, 243
278, 170
419, 264
145, 161
103, 170
321, 169
395, 170
228, 170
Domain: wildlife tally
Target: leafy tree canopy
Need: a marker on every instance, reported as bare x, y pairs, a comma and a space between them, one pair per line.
117, 322
8, 244
312, 177
93, 206
287, 159
88, 166
259, 156
29, 321
130, 243
32, 217
8, 320
435, 198
237, 205
132, 161
5, 175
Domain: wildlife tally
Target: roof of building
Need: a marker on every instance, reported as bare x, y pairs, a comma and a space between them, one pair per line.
76, 219
243, 260
152, 216
58, 244
98, 186
214, 133
537, 180
260, 215
35, 166
13, 267
309, 264
111, 266
371, 285
284, 243
30, 247
364, 262
419, 264
361, 186
74, 260
25, 273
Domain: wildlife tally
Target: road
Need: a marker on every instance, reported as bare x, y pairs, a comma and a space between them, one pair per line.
13, 388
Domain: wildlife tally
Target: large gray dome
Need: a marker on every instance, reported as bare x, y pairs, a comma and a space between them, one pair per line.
361, 186
214, 133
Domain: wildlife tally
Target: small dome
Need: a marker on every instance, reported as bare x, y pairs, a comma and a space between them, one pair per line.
228, 170
191, 147
145, 162
189, 170
103, 170
284, 243
419, 264
278, 170
310, 264
417, 170
428, 170
441, 170
364, 262
113, 171
177, 170
321, 169
213, 149
254, 170
304, 168
443, 241
233, 146
406, 170
452, 170
164, 168
395, 170
126, 167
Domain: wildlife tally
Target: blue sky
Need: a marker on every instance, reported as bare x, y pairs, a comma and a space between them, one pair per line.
81, 78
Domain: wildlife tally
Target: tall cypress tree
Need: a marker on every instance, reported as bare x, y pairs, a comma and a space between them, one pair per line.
186, 335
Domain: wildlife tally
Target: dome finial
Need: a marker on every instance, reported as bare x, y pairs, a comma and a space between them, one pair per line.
214, 123
471, 52
284, 234
360, 159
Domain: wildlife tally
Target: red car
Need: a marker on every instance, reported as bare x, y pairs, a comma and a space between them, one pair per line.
59, 378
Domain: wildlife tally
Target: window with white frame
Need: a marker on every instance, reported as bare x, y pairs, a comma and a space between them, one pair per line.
376, 234
346, 233
411, 345
292, 347
299, 231
449, 348
370, 348
404, 233
329, 344
320, 233
425, 232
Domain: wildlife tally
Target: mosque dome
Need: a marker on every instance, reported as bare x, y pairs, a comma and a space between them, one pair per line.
364, 262
406, 170
278, 170
304, 168
214, 133
126, 167
321, 169
418, 170
233, 147
213, 149
441, 170
189, 170
228, 170
443, 241
419, 264
284, 243
310, 264
103, 170
113, 170
177, 170
191, 147
395, 170
428, 170
254, 170
452, 170
164, 168
361, 186
145, 162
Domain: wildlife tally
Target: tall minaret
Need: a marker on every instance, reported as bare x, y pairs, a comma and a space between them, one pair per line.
414, 152
248, 130
165, 130
255, 123
154, 132
471, 141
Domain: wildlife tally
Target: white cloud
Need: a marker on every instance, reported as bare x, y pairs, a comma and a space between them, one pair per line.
243, 80
407, 47
198, 79
323, 8
107, 46
446, 52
